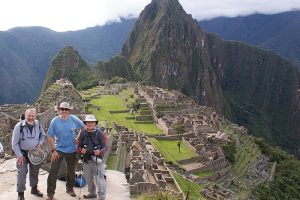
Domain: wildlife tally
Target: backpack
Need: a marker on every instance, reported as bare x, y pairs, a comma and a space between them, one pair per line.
94, 138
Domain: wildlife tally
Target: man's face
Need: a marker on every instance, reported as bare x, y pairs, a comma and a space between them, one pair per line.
90, 125
30, 117
64, 112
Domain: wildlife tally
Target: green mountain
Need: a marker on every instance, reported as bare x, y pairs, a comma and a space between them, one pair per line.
118, 66
278, 32
165, 48
252, 87
27, 52
68, 64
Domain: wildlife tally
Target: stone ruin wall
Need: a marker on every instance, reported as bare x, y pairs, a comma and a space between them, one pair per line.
7, 124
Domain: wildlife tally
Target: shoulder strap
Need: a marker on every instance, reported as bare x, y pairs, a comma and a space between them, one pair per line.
39, 128
21, 131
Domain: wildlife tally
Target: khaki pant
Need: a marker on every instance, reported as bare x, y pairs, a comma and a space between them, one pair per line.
94, 173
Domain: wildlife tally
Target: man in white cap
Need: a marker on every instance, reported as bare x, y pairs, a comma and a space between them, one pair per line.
28, 134
62, 138
91, 144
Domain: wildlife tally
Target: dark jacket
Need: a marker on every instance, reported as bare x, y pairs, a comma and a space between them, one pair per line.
92, 141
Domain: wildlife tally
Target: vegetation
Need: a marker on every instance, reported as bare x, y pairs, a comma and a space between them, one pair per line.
203, 174
118, 103
229, 151
169, 150
87, 84
111, 161
118, 79
185, 185
117, 67
158, 196
286, 183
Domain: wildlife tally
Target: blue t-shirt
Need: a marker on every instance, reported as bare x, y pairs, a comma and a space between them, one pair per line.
65, 132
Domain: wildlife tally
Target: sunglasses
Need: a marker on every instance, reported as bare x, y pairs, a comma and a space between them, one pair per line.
64, 109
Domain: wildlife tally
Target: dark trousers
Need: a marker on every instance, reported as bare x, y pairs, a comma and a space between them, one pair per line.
52, 177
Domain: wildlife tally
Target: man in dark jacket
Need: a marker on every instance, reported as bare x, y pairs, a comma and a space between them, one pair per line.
91, 144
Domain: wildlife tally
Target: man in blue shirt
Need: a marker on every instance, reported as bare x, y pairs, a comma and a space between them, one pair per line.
28, 134
62, 138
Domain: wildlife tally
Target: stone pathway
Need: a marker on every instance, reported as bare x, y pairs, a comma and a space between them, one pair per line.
117, 186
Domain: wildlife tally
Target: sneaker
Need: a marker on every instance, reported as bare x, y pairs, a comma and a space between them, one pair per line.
71, 193
89, 196
36, 192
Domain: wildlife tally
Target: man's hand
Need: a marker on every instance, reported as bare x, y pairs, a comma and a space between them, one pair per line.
21, 161
97, 152
83, 150
54, 156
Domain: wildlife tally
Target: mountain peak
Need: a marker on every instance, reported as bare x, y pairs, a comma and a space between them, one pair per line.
165, 48
64, 65
160, 8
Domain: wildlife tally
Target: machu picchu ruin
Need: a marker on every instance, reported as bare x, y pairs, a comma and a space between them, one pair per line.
151, 160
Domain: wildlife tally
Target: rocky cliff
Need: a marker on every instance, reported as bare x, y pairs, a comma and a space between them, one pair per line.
252, 87
167, 48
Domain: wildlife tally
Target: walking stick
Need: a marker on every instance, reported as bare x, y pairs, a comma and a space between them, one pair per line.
81, 172
96, 177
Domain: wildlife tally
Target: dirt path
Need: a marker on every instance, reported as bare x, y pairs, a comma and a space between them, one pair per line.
117, 186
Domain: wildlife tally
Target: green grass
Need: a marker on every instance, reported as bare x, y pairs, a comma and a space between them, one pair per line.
204, 174
111, 161
169, 150
247, 152
194, 190
122, 158
116, 103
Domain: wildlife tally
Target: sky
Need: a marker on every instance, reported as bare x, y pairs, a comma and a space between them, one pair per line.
67, 15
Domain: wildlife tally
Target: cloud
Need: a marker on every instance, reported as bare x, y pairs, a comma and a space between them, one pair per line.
204, 9
62, 15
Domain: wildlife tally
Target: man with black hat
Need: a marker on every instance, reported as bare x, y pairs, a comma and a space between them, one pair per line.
62, 138
91, 144
27, 134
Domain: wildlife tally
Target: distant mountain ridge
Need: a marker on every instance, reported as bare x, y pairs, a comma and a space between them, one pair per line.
26, 54
278, 32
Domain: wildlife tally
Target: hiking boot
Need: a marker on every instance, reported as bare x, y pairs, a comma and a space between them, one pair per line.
50, 197
36, 192
71, 193
21, 196
89, 196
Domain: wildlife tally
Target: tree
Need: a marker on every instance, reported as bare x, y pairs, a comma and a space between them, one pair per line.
179, 130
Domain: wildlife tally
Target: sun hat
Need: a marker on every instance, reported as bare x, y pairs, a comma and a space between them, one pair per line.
65, 105
36, 156
90, 118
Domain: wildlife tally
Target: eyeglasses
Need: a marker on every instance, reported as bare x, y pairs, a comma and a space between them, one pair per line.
64, 109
